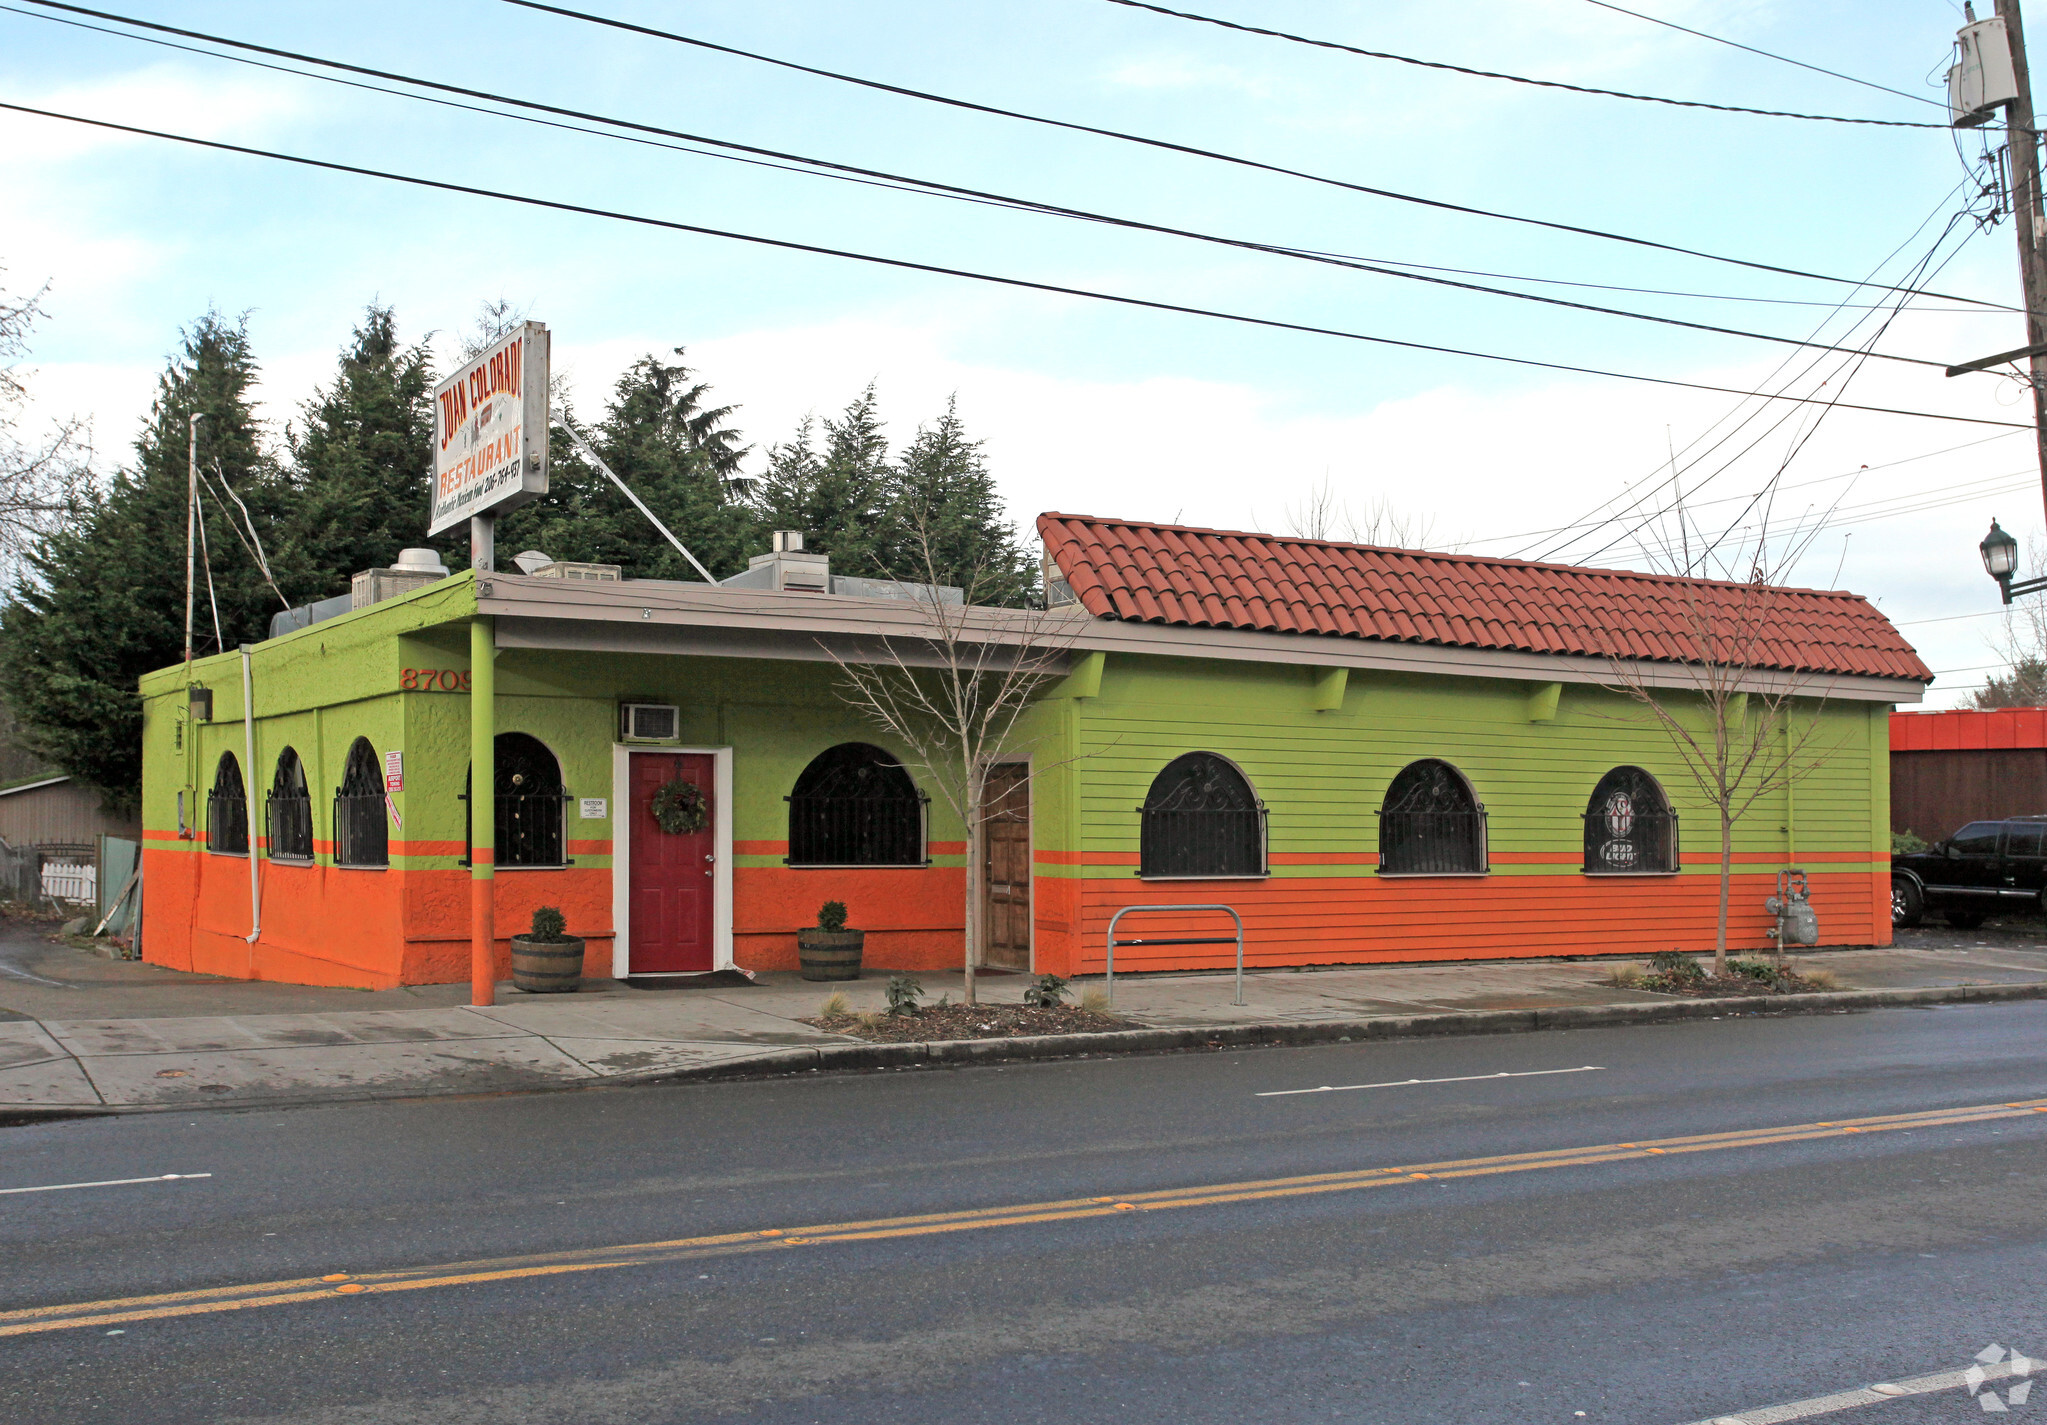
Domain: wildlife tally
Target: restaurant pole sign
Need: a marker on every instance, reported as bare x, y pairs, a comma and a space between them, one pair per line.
490, 430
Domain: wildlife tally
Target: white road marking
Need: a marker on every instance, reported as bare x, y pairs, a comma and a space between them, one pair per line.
1868, 1395
112, 1182
1460, 1079
16, 972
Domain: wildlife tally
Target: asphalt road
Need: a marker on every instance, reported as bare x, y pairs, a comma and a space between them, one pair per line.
1672, 1286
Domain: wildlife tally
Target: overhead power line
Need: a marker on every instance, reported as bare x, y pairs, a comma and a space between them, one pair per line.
1516, 78
1172, 147
1843, 374
814, 167
1609, 286
817, 167
1855, 474
905, 264
1766, 54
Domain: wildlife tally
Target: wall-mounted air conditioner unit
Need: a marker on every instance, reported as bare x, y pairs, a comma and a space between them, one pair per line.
648, 722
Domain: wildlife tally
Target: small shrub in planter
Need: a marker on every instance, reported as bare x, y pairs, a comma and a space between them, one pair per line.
830, 952
547, 960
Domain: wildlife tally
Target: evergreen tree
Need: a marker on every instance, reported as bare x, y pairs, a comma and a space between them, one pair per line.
837, 496
677, 452
2025, 686
104, 601
362, 466
940, 491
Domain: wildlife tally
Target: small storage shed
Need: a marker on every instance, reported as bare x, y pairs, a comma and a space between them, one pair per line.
1373, 754
57, 811
1962, 765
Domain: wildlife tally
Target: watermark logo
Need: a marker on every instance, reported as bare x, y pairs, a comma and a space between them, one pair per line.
2005, 1365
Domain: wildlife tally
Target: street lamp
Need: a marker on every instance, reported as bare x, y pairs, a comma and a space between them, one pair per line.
2001, 559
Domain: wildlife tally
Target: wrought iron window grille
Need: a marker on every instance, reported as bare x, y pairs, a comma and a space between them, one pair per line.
827, 832
227, 824
289, 811
1434, 843
227, 811
1201, 822
1630, 827
361, 838
855, 805
1433, 824
529, 808
291, 827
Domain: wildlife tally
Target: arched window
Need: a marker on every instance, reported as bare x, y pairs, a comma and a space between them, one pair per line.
291, 811
1201, 819
360, 835
854, 805
227, 810
530, 798
1431, 824
1629, 826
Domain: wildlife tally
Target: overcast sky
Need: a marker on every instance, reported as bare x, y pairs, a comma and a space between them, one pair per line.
1087, 406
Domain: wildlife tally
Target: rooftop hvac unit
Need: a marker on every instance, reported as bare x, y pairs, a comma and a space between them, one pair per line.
648, 722
573, 569
537, 564
414, 569
1981, 80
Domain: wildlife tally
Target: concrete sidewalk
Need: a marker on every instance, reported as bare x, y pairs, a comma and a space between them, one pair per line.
80, 1032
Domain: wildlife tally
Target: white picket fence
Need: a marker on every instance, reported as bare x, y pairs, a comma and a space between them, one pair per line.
71, 881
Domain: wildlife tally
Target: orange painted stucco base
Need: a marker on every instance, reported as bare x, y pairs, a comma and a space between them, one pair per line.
915, 917
359, 929
377, 929
1362, 920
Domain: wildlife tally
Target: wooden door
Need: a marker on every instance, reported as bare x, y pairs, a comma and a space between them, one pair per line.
1006, 868
672, 876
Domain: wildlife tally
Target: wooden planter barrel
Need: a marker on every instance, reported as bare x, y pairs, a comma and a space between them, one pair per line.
547, 967
830, 954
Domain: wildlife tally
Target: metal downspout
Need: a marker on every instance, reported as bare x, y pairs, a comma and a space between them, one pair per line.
249, 799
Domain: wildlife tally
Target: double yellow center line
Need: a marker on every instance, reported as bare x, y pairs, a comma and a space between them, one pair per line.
342, 1285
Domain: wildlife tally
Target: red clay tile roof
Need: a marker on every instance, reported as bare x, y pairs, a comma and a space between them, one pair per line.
1207, 578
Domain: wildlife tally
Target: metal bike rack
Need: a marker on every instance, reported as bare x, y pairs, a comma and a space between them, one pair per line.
1179, 940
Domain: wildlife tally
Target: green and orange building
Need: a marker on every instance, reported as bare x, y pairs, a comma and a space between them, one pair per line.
1372, 754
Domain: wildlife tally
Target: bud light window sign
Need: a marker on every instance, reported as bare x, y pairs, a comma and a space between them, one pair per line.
490, 430
1619, 851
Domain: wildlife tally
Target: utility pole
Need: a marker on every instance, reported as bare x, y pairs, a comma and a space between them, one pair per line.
191, 528
2030, 220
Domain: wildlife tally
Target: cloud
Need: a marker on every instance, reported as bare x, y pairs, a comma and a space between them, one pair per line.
161, 96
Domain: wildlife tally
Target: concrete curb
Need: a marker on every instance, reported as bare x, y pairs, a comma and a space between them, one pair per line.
844, 1058
856, 1056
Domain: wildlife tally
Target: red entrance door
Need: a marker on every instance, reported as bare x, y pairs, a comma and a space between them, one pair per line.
671, 875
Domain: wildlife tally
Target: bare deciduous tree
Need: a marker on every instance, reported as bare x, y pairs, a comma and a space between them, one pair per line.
1730, 712
40, 482
1323, 514
952, 691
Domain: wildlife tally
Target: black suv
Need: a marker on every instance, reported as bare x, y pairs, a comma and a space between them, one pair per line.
1985, 867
